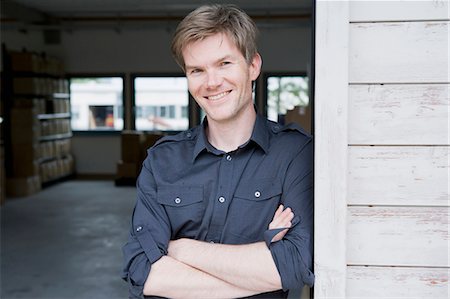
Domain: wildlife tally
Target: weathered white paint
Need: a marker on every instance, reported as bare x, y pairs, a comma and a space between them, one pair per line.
398, 282
399, 52
399, 114
376, 11
399, 236
331, 92
399, 175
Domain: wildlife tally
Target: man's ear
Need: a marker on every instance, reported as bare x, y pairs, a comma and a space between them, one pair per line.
255, 67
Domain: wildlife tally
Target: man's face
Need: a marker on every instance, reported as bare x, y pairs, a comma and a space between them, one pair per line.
219, 78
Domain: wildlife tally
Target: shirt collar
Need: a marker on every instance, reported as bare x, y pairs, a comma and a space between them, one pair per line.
260, 136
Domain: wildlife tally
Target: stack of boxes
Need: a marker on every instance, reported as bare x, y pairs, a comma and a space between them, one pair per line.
39, 124
134, 150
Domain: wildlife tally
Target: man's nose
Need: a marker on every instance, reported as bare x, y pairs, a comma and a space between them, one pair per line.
213, 79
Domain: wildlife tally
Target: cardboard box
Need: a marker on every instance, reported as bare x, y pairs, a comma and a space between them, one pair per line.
131, 142
25, 168
25, 135
16, 187
25, 62
24, 117
128, 170
29, 86
300, 115
26, 151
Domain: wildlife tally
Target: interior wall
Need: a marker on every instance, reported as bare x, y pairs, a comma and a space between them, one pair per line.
143, 51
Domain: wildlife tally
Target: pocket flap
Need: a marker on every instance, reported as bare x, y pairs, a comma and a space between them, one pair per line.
179, 196
258, 189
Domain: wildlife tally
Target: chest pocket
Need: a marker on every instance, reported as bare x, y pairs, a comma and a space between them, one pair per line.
184, 206
253, 207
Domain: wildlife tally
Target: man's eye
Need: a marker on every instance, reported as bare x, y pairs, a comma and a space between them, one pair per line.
223, 63
195, 71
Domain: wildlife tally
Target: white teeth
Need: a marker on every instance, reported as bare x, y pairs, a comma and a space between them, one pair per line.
216, 97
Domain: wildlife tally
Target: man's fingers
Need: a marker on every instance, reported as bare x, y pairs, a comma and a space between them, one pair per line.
278, 212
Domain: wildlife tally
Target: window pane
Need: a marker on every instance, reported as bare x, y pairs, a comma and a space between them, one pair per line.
284, 93
97, 103
163, 101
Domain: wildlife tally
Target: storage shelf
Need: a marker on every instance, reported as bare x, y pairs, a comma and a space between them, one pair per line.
58, 180
49, 159
57, 95
55, 137
24, 74
54, 116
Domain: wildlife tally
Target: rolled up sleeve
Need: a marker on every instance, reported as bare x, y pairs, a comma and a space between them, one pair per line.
149, 234
293, 254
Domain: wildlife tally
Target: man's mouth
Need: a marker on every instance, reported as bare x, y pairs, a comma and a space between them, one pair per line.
218, 96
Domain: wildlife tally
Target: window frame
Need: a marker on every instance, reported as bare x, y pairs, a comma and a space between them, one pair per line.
193, 108
264, 82
70, 76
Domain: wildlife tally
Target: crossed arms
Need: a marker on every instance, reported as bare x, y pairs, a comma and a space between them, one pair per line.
197, 269
156, 265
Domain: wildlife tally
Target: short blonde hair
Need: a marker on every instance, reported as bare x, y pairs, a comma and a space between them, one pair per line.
211, 19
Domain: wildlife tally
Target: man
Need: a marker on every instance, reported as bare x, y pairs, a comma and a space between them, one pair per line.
223, 210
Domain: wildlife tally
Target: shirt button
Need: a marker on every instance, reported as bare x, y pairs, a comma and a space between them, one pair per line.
221, 199
188, 134
229, 158
177, 200
257, 194
139, 228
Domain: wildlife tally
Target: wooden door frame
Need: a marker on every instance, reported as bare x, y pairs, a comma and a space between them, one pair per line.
331, 146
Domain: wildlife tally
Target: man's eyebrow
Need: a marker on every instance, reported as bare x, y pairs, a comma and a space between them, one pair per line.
226, 57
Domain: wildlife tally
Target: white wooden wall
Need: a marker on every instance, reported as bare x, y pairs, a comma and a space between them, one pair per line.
386, 234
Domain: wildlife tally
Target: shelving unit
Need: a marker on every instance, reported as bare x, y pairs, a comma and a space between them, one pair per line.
37, 130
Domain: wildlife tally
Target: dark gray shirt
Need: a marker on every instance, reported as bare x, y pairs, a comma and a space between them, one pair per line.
189, 189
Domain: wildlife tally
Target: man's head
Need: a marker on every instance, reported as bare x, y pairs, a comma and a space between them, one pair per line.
211, 19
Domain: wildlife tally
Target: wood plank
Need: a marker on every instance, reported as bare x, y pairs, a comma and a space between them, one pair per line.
376, 11
395, 282
399, 236
411, 52
331, 82
410, 176
399, 114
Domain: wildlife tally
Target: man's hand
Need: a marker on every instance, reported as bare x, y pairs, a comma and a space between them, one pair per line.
282, 218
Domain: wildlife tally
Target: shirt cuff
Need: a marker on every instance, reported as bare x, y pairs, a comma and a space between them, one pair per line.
148, 244
270, 233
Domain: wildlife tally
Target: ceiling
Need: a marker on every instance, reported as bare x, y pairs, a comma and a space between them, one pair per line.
45, 14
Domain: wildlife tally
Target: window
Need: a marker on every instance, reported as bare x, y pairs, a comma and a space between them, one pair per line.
96, 103
285, 94
161, 103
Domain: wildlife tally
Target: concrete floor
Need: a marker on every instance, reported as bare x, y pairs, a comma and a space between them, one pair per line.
65, 241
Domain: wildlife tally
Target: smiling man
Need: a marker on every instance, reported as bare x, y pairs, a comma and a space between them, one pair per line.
224, 210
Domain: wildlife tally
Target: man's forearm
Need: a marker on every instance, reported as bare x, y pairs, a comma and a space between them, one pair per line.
173, 279
248, 266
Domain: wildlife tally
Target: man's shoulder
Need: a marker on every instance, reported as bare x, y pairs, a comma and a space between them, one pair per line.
290, 129
178, 138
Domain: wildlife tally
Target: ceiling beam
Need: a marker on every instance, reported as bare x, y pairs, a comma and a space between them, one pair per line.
21, 13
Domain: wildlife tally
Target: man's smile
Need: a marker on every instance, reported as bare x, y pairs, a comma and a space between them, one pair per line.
218, 96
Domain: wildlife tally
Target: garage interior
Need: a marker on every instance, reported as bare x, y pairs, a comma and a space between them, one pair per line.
81, 100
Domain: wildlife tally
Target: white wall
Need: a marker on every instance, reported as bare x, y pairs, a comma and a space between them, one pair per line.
382, 109
143, 51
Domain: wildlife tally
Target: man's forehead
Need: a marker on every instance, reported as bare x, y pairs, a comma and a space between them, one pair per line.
196, 50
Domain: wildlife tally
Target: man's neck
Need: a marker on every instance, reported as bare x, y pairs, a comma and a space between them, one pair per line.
229, 136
